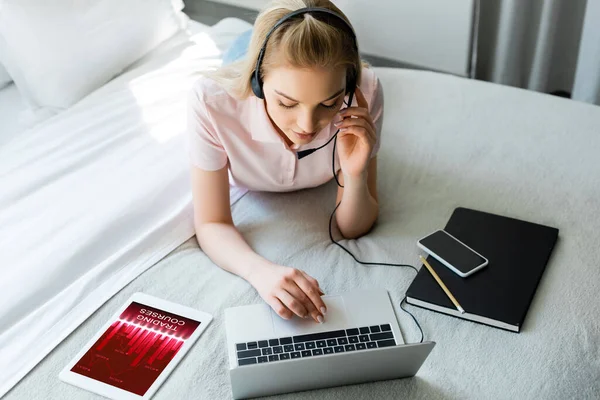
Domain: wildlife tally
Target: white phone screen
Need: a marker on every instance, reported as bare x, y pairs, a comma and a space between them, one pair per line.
452, 251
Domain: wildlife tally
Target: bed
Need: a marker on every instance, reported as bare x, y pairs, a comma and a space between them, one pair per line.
447, 142
11, 104
72, 234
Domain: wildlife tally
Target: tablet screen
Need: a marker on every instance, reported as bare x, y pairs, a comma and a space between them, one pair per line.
136, 348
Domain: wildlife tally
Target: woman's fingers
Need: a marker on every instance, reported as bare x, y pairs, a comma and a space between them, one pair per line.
313, 281
359, 112
297, 293
306, 292
357, 122
280, 308
360, 131
292, 303
303, 297
312, 292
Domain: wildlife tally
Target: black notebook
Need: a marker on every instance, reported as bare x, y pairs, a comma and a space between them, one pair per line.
500, 294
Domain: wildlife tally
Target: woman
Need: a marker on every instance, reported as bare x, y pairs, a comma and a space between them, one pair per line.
252, 138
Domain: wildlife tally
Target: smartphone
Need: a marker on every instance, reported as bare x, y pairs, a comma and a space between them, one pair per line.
453, 253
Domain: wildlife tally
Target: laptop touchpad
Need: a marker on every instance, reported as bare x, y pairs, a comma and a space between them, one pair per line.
336, 318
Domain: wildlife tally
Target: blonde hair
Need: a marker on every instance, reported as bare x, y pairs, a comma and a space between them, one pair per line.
304, 42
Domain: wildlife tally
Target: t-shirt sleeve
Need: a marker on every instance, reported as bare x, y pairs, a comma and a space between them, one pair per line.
204, 147
376, 111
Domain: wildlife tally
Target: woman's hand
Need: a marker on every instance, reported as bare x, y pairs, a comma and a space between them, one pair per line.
289, 291
356, 138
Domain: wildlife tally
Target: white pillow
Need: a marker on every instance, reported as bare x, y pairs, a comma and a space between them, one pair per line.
59, 51
5, 78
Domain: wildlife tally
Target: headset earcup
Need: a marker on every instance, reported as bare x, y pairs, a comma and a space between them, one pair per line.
257, 86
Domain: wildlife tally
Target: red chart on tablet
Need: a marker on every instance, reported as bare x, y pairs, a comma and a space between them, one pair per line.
136, 348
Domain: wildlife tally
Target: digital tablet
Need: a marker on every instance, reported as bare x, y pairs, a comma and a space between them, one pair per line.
136, 350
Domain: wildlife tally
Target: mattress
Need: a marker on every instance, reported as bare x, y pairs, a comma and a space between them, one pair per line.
446, 142
95, 195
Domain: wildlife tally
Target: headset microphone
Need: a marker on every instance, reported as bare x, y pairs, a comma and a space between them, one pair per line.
304, 153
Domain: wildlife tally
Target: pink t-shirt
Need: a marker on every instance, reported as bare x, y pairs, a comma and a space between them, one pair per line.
223, 130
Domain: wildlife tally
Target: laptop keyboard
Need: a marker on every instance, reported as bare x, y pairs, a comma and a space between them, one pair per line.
315, 344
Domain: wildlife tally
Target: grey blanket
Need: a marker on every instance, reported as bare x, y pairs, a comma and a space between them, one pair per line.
446, 142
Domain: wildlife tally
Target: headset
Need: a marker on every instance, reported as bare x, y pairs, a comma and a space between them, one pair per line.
257, 87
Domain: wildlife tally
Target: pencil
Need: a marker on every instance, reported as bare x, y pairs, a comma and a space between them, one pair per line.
439, 281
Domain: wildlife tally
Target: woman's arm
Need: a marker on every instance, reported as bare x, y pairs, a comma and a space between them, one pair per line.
357, 138
287, 290
359, 208
215, 232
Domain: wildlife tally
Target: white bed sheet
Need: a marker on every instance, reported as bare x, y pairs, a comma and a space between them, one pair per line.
11, 105
95, 196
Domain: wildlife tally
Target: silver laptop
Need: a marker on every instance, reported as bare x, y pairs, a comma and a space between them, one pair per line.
360, 341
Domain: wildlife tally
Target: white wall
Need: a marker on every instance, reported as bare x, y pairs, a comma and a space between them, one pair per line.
252, 4
587, 78
435, 34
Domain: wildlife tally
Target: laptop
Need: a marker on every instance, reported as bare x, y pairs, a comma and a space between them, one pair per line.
359, 341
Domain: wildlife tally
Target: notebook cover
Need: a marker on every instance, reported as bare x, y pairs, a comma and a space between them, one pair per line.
518, 252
